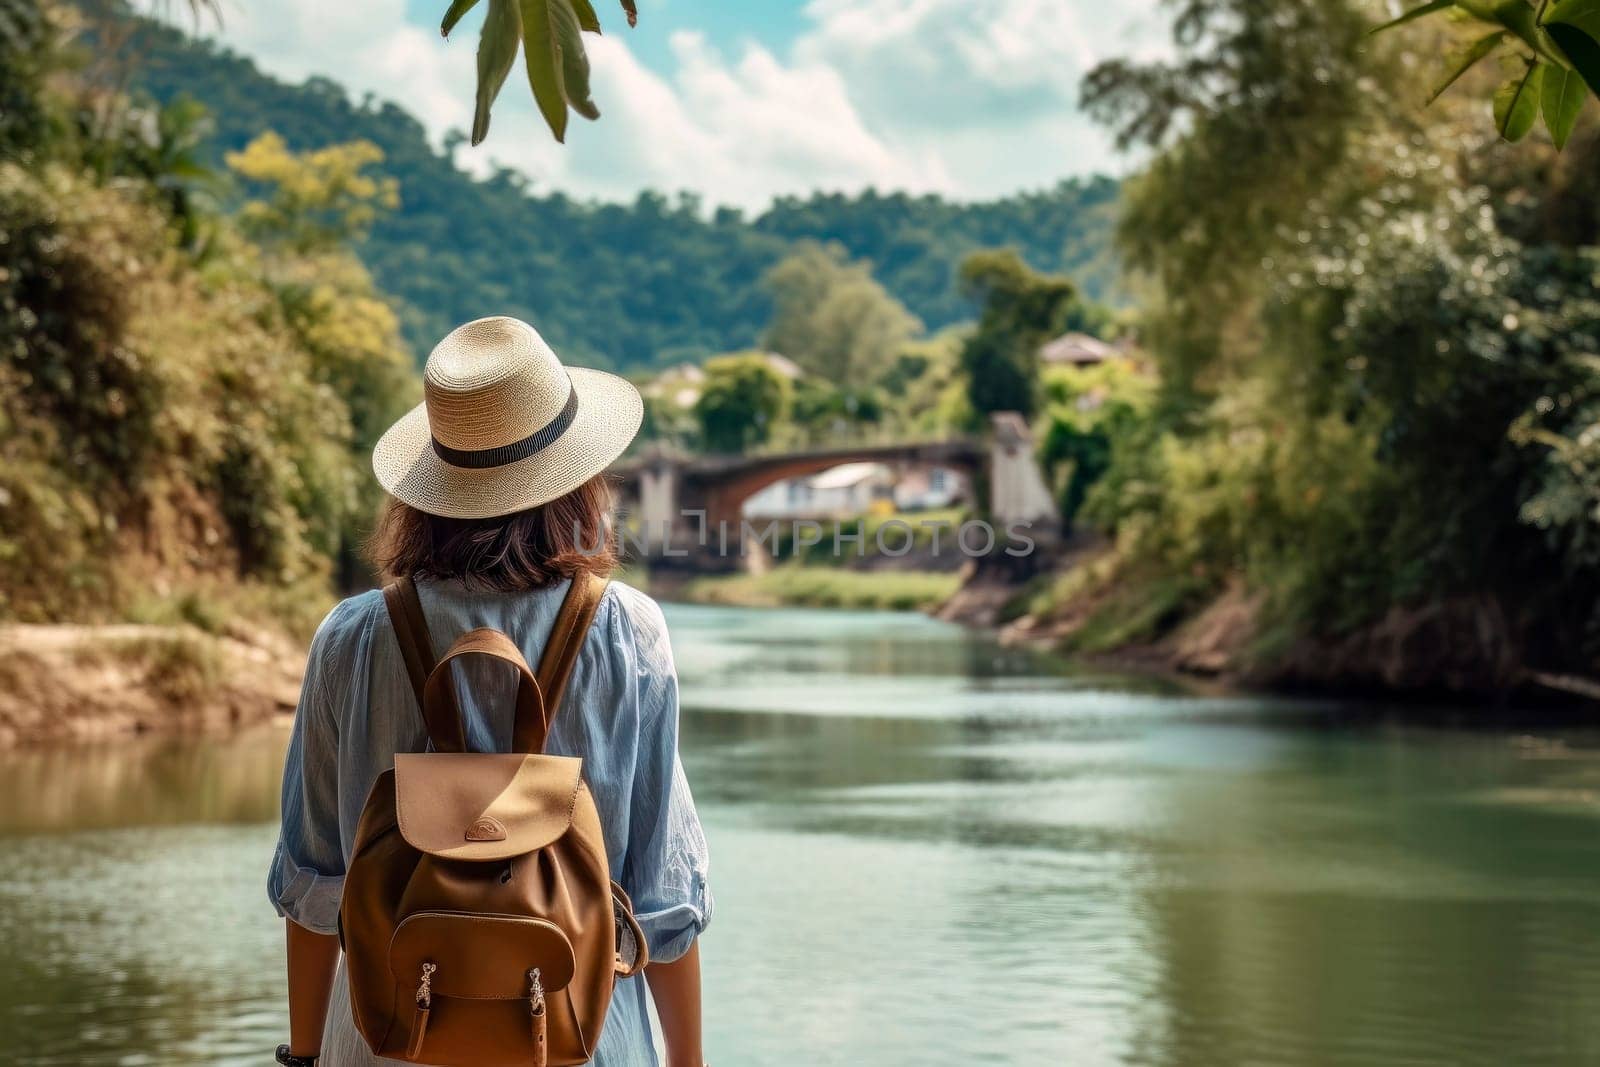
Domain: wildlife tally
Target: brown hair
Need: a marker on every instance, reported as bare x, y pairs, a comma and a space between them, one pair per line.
526, 550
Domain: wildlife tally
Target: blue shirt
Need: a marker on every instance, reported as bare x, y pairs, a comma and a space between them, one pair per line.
619, 712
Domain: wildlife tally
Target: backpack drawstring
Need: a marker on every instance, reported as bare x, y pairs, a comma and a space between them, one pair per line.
419, 1022
540, 1022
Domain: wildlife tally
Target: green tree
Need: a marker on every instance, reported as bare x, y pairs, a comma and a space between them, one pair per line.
1285, 86
1090, 413
1369, 338
315, 206
833, 318
1022, 310
743, 400
316, 199
28, 43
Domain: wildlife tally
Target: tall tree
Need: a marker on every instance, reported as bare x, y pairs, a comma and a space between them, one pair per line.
1352, 326
833, 318
743, 399
1257, 111
1022, 309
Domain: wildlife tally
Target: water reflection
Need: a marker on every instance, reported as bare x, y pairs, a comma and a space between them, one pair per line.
927, 850
143, 782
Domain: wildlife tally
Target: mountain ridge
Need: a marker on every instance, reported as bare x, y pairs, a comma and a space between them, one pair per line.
626, 286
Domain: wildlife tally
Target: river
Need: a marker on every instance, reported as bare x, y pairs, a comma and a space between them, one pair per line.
927, 850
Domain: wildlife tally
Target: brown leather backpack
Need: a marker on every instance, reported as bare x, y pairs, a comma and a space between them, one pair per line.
479, 920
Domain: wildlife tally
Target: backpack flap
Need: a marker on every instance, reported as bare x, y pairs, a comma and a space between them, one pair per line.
482, 806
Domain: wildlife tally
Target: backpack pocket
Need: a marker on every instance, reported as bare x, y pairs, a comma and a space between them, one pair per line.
466, 971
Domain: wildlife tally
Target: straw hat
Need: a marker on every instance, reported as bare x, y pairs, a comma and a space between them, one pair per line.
504, 425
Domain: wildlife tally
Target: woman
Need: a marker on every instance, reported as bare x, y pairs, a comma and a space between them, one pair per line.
499, 502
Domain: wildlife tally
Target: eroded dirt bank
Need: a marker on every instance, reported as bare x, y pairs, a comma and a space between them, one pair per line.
67, 683
1462, 650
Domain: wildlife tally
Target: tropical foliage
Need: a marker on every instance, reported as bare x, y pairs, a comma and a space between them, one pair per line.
176, 413
1553, 53
1376, 342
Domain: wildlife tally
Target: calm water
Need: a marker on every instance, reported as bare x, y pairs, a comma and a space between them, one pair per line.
927, 851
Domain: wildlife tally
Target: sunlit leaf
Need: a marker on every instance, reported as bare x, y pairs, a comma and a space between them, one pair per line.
1464, 59
1516, 103
1415, 13
1561, 100
497, 51
632, 11
453, 16
587, 18
1574, 25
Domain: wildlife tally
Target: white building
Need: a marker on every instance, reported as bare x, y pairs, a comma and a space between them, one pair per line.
841, 492
853, 489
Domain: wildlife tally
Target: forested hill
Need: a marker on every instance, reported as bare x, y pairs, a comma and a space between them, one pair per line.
624, 286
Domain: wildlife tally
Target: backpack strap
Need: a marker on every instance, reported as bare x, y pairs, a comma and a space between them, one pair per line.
440, 710
411, 631
442, 714
566, 637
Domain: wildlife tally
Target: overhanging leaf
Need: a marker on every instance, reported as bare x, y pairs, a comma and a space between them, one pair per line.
558, 67
1582, 49
1463, 60
1516, 16
497, 51
1584, 14
574, 59
1574, 25
632, 11
453, 16
543, 61
587, 19
1561, 99
1516, 103
1415, 13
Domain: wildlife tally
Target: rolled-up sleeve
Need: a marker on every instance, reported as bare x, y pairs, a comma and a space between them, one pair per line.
307, 873
667, 860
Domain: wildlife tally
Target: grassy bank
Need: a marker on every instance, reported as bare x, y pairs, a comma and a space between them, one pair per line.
823, 587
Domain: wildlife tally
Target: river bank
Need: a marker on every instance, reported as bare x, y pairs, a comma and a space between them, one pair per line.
1085, 607
1417, 657
69, 684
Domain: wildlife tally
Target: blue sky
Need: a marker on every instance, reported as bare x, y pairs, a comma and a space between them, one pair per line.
744, 101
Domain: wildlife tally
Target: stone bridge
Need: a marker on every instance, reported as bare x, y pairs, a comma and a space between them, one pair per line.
669, 492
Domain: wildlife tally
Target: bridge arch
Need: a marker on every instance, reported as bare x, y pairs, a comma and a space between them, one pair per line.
669, 488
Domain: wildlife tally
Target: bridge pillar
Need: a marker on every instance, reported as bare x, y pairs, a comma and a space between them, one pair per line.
658, 501
1017, 489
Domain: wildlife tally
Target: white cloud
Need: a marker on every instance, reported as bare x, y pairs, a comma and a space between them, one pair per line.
971, 98
366, 45
991, 86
